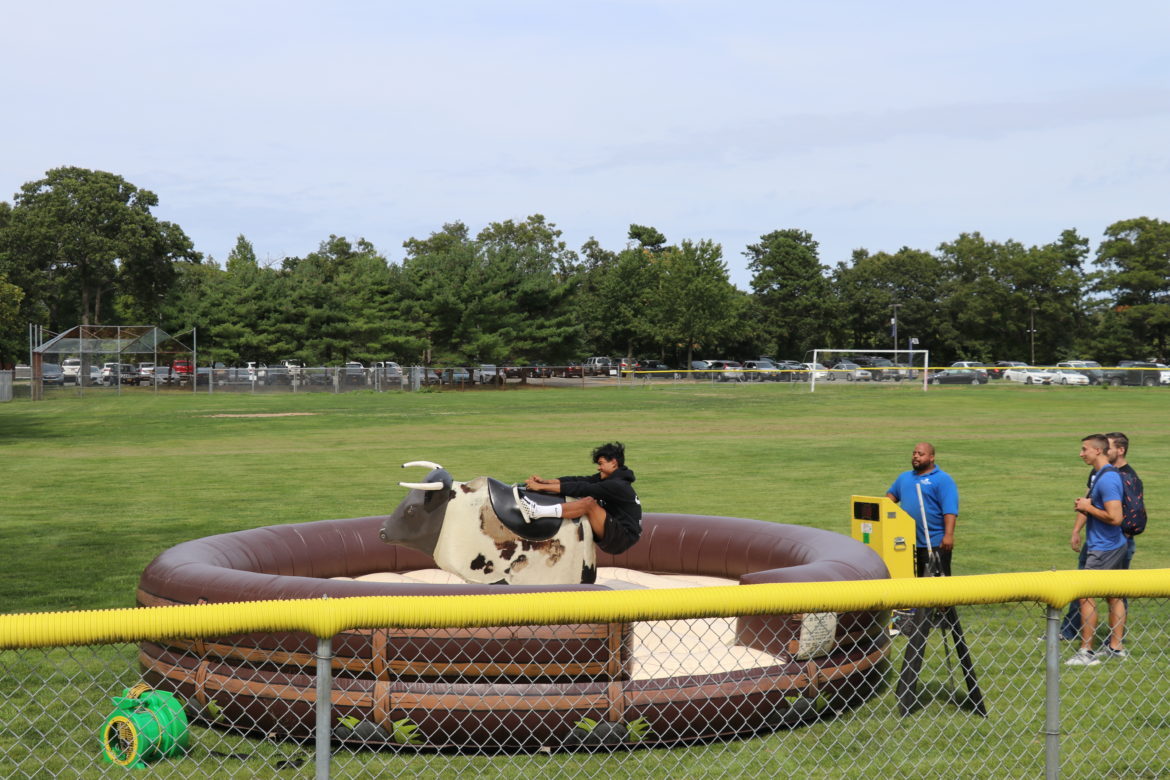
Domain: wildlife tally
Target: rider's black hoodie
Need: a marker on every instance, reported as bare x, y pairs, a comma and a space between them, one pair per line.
615, 493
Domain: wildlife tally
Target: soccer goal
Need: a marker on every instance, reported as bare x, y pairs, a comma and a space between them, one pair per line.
868, 365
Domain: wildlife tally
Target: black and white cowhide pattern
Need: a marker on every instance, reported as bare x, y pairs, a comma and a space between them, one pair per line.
454, 522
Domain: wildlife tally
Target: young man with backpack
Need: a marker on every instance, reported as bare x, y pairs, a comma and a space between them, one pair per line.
1133, 505
1101, 513
1133, 510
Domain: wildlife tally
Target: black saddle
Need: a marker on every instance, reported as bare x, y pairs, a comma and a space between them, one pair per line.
504, 504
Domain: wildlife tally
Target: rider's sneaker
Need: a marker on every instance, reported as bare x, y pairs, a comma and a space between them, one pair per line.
529, 509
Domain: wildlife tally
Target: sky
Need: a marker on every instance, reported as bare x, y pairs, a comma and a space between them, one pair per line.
869, 125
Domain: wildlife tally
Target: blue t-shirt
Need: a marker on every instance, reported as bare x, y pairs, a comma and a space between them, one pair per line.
1106, 487
939, 494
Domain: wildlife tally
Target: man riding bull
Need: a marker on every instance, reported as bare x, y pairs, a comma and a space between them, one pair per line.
607, 498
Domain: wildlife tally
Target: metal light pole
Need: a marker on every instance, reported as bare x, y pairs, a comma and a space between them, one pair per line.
895, 332
1032, 334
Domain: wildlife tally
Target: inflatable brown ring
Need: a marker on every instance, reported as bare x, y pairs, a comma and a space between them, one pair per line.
512, 687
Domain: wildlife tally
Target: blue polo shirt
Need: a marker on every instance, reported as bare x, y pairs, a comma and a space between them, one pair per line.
939, 494
1106, 487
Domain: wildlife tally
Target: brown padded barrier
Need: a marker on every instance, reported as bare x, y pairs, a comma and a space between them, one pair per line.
510, 685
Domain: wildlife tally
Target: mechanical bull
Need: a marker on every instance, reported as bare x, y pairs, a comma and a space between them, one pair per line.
475, 530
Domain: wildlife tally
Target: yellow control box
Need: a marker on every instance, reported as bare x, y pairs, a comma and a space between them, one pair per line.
882, 525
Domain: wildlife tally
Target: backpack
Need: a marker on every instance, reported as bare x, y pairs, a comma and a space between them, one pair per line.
1133, 503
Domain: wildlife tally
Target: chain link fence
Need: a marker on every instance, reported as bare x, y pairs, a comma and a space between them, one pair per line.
279, 380
977, 691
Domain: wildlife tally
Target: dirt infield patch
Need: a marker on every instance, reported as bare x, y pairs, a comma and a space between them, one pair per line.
275, 414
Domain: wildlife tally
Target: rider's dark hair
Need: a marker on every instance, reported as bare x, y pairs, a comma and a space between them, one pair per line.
612, 451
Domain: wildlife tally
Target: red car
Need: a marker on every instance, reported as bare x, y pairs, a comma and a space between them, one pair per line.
183, 368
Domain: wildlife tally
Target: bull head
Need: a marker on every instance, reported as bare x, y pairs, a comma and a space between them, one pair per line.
418, 518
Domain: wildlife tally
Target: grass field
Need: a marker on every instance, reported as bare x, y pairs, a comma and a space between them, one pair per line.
96, 487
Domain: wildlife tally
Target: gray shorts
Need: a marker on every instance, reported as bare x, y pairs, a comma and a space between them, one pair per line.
1106, 559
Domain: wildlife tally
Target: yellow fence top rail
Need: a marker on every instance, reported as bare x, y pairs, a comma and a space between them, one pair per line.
326, 617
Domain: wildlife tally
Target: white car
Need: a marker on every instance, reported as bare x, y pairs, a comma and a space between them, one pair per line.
817, 370
72, 369
1068, 376
1028, 375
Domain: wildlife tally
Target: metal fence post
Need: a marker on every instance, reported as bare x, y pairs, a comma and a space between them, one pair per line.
324, 700
1052, 694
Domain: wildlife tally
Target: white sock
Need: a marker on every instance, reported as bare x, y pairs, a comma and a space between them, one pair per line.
546, 510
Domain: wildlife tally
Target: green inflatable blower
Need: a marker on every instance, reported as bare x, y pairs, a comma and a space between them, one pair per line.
145, 726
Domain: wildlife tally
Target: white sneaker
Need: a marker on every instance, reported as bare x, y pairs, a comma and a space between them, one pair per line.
1083, 658
1107, 653
530, 509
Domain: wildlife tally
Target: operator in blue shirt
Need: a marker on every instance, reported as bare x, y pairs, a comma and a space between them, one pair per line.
927, 489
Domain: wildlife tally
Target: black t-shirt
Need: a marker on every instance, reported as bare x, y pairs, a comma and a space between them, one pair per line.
615, 493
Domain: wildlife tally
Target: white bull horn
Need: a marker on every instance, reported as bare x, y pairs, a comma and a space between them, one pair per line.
426, 463
422, 485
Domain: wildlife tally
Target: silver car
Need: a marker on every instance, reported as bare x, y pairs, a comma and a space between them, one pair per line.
851, 372
725, 370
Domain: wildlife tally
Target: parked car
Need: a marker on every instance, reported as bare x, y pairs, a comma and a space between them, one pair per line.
600, 366
1140, 373
353, 373
699, 369
278, 374
164, 375
184, 368
488, 374
791, 370
1090, 368
905, 371
1027, 375
570, 370
454, 376
113, 373
146, 370
817, 371
650, 367
1067, 376
1001, 366
52, 374
388, 372
960, 376
850, 372
881, 369
725, 370
761, 371
71, 369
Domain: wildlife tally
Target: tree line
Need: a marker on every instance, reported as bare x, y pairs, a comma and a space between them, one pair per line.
82, 247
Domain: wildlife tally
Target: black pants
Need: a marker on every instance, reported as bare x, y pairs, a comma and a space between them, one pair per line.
921, 557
